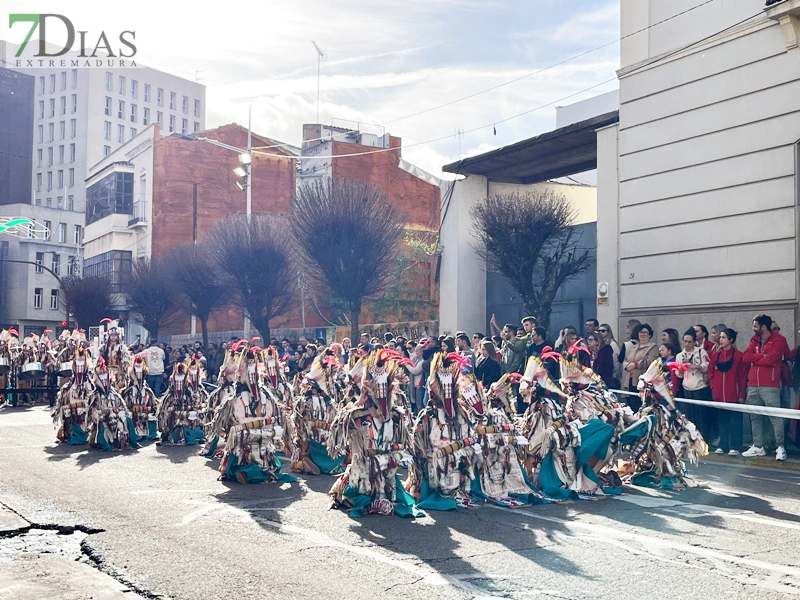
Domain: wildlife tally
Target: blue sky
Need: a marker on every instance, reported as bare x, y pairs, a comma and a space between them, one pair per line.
384, 59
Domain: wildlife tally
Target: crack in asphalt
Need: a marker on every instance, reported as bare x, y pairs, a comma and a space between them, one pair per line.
98, 561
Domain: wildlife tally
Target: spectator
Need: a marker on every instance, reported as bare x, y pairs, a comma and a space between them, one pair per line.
714, 336
538, 341
638, 358
464, 348
591, 327
570, 339
602, 359
666, 355
631, 339
702, 338
765, 355
727, 374
477, 338
608, 337
307, 357
388, 337
487, 369
498, 343
671, 337
695, 381
513, 352
528, 324
154, 358
285, 350
364, 339
346, 347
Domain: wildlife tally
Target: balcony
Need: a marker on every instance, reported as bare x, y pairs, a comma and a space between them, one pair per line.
139, 217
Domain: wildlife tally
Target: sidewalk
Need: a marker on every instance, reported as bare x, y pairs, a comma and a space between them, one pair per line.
792, 462
38, 563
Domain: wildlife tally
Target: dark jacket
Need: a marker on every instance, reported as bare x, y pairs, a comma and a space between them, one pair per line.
487, 370
603, 365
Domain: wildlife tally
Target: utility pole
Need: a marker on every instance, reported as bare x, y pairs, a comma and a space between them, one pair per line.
320, 54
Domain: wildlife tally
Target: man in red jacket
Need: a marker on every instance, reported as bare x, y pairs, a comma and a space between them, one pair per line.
765, 356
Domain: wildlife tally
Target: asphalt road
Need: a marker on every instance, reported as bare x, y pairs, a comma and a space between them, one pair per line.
169, 527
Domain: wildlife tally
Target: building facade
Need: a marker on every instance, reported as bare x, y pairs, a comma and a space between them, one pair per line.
16, 136
697, 204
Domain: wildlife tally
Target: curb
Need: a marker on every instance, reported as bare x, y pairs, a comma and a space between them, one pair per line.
790, 464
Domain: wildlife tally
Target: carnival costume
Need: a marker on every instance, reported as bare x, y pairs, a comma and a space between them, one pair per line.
179, 409
72, 403
109, 417
140, 402
375, 431
254, 424
662, 437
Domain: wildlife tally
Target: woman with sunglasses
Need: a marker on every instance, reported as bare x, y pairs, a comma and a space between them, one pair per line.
608, 337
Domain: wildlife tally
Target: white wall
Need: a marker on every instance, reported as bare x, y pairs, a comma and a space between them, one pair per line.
608, 220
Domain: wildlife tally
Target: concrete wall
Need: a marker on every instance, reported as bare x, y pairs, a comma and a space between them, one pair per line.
707, 173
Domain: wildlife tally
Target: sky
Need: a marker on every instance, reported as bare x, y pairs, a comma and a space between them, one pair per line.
384, 61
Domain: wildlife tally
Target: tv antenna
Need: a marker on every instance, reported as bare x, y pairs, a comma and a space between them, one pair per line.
320, 56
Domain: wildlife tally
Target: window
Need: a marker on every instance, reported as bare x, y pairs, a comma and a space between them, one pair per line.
107, 111
134, 89
29, 232
54, 299
62, 233
74, 78
37, 295
159, 117
196, 126
39, 181
147, 92
50, 157
63, 80
49, 181
61, 180
60, 205
62, 129
160, 97
61, 154
107, 130
56, 263
53, 83
115, 265
121, 85
51, 129
72, 154
52, 107
113, 194
71, 202
74, 103
72, 177
73, 125
133, 132
146, 117
197, 108
106, 150
109, 82
184, 125
41, 84
120, 133
49, 205
76, 239
41, 109
121, 110
41, 133
133, 113
39, 262
63, 105
39, 153
37, 201
47, 224
72, 265
172, 99
171, 123
185, 105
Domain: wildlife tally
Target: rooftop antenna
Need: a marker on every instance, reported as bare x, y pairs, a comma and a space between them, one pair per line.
320, 55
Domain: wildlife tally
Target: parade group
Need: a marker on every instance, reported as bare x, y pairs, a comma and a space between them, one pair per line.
348, 415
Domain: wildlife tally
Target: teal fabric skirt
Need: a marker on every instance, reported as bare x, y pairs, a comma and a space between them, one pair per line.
404, 506
252, 473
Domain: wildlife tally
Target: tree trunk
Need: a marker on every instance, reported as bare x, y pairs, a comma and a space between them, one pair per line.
544, 317
204, 327
152, 331
355, 310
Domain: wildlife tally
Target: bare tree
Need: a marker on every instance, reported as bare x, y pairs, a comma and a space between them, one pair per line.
196, 276
530, 240
152, 294
347, 235
88, 299
254, 256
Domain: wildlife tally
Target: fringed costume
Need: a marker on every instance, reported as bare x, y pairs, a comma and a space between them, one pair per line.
72, 403
140, 402
179, 409
109, 416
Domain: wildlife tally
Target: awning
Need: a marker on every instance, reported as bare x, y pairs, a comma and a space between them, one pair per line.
566, 151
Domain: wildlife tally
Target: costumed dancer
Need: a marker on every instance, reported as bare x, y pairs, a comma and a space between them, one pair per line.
179, 409
254, 425
215, 429
140, 402
375, 431
314, 409
72, 403
109, 417
446, 455
114, 352
662, 437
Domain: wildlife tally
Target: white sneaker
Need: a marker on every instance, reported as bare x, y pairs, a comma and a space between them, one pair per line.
718, 451
754, 451
780, 454
733, 453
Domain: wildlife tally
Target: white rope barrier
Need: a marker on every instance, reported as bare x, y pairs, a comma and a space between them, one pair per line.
767, 411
